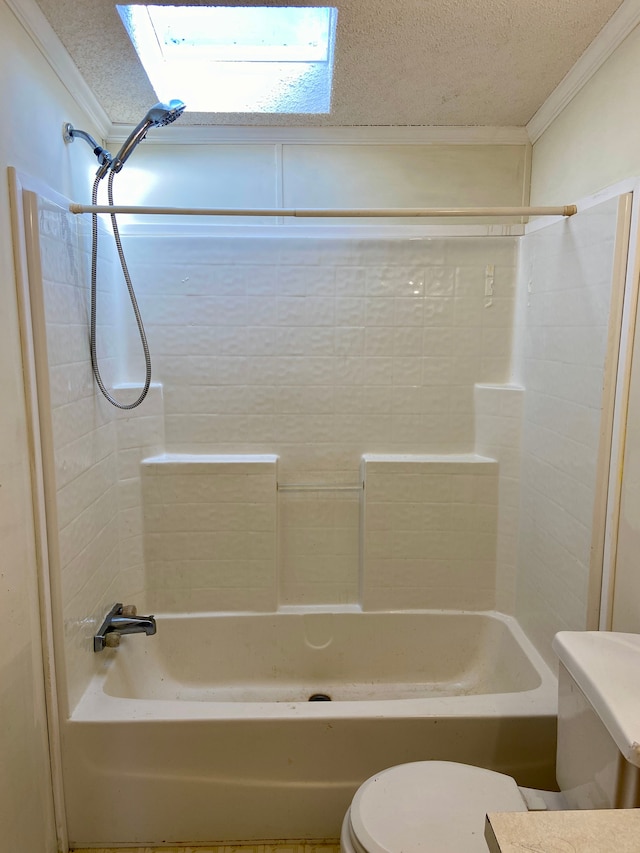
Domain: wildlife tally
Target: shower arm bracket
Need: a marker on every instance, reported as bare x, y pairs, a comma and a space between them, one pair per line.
69, 133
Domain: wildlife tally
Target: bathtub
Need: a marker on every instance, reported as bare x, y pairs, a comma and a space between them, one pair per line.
205, 732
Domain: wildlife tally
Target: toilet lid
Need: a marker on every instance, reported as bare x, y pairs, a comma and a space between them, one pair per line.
430, 805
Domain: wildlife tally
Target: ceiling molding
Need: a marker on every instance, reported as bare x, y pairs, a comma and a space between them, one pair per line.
251, 135
39, 30
615, 31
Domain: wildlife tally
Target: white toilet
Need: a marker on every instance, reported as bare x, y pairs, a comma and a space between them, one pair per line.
440, 806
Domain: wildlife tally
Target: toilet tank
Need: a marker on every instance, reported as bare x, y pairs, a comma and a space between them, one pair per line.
598, 753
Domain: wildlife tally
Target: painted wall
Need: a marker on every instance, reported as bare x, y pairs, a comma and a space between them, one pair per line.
35, 105
250, 174
592, 144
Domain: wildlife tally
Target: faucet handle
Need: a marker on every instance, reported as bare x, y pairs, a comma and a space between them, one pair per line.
112, 640
129, 610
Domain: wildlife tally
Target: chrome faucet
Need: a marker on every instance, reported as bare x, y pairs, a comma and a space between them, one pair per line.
122, 619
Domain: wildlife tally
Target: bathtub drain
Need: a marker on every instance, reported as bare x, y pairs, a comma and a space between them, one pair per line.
319, 697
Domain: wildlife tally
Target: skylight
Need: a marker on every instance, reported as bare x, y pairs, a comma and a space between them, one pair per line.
240, 59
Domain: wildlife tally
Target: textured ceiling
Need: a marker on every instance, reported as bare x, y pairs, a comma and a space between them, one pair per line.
398, 62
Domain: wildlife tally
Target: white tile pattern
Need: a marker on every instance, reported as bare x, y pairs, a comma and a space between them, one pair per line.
430, 526
319, 350
498, 420
96, 448
319, 546
84, 439
565, 278
210, 533
139, 433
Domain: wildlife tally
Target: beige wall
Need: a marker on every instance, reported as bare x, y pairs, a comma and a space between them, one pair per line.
595, 141
323, 175
35, 105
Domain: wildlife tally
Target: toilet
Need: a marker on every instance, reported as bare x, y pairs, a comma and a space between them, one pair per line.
440, 806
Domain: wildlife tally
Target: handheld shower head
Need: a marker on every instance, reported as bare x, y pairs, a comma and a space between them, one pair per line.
158, 116
161, 114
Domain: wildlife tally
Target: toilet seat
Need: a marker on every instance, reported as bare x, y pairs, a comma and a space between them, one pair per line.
426, 806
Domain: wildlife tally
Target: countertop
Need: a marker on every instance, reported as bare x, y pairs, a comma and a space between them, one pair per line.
599, 831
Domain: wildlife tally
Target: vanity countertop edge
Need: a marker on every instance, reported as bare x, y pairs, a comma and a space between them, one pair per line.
581, 831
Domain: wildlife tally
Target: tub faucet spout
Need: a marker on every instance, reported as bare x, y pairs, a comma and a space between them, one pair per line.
119, 621
134, 625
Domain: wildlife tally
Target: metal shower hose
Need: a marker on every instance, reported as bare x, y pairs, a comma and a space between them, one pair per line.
132, 296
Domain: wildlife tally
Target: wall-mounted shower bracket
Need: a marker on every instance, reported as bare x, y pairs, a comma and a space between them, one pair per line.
69, 133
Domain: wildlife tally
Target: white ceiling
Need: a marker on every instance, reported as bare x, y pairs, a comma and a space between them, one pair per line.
398, 62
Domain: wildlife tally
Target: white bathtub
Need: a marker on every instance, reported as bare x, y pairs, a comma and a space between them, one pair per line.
203, 733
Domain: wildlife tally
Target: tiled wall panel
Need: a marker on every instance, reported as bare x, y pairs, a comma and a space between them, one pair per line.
320, 349
210, 532
139, 433
565, 279
86, 559
319, 546
498, 424
430, 529
97, 549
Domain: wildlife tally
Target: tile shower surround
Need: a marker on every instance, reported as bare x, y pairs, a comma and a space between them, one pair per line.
566, 273
322, 349
317, 349
97, 547
429, 532
85, 558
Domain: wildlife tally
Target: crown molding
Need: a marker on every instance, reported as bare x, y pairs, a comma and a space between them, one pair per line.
38, 28
614, 32
252, 135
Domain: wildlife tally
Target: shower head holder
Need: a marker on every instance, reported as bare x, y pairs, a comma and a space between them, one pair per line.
160, 115
69, 133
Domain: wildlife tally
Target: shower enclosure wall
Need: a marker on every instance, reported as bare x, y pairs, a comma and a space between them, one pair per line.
341, 420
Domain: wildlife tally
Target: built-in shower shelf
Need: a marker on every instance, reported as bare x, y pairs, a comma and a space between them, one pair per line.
197, 463
444, 462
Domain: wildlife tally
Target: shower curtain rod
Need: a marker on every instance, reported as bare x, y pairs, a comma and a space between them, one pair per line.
564, 210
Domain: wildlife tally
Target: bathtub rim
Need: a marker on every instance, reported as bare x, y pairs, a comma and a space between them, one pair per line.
96, 706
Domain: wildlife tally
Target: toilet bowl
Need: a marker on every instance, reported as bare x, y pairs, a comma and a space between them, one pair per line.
440, 806
430, 806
